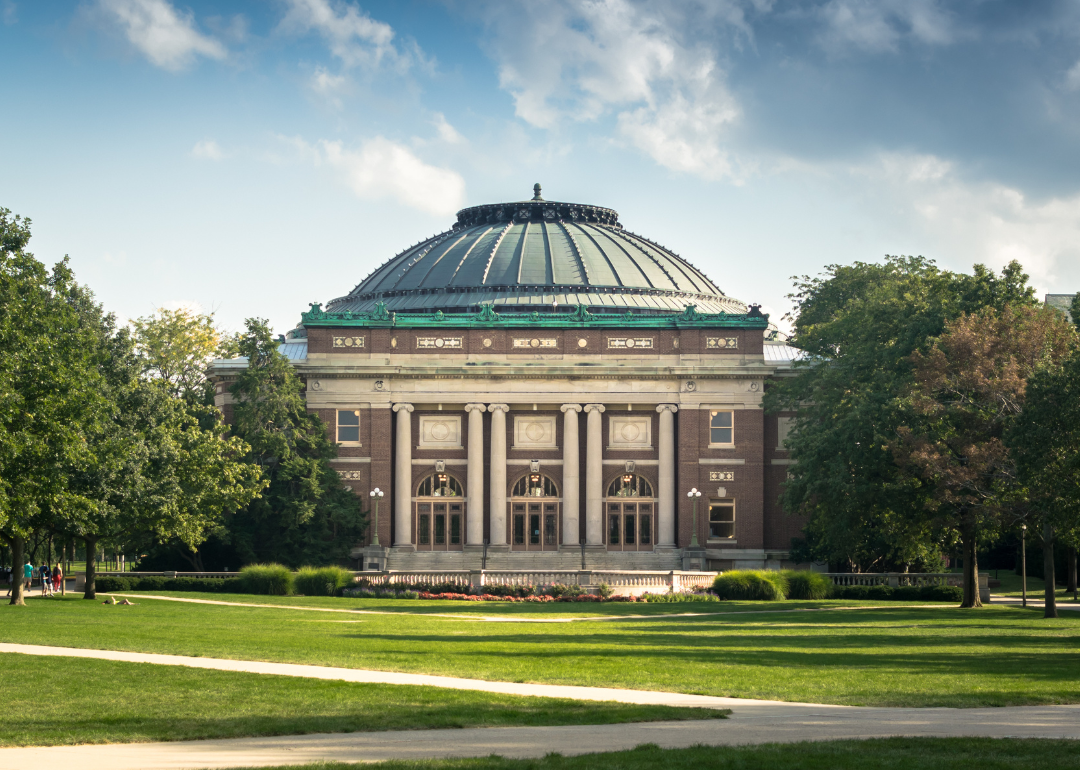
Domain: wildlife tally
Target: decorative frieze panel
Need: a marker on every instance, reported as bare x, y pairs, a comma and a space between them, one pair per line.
451, 343
439, 432
536, 342
629, 343
721, 475
630, 432
721, 343
348, 342
350, 475
534, 432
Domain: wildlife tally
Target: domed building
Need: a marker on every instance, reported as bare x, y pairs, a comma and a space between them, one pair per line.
538, 387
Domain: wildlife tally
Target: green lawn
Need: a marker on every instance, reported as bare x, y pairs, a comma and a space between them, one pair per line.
887, 754
902, 656
1011, 586
52, 701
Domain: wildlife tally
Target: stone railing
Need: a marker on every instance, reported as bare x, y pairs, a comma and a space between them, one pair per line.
897, 579
622, 582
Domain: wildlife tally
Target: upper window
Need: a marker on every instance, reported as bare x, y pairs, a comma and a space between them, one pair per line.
721, 519
439, 485
630, 485
534, 485
348, 426
721, 430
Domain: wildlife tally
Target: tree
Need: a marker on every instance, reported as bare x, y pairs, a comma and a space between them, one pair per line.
859, 325
306, 515
1045, 440
47, 384
965, 393
175, 347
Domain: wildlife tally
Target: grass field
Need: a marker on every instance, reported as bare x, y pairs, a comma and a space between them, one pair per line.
899, 656
887, 754
51, 701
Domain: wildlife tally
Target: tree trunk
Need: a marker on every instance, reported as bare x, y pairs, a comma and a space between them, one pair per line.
971, 569
90, 592
18, 561
1050, 601
1070, 570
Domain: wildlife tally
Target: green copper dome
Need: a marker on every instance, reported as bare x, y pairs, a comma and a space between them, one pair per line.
533, 255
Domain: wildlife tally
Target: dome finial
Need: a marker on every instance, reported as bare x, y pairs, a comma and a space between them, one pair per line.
536, 192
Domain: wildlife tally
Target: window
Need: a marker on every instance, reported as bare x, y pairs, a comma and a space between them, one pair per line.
534, 485
439, 485
348, 426
630, 485
721, 430
721, 519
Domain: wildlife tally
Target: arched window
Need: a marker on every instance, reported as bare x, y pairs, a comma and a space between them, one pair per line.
535, 485
630, 485
439, 485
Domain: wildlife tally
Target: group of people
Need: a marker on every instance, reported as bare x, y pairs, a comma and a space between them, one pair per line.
51, 580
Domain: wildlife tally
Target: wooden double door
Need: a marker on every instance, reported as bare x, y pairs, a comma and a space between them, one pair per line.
535, 525
440, 524
631, 525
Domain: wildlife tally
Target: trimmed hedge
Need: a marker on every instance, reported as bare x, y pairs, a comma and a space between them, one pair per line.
322, 581
272, 579
901, 594
754, 585
804, 584
157, 583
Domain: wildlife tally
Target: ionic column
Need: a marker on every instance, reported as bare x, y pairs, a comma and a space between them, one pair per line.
403, 477
594, 476
474, 516
665, 527
498, 473
571, 475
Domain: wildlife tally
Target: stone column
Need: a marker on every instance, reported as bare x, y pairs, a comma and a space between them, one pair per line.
497, 510
474, 516
665, 527
403, 477
571, 476
594, 475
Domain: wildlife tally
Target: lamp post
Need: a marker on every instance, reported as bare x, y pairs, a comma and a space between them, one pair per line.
376, 495
693, 494
1023, 561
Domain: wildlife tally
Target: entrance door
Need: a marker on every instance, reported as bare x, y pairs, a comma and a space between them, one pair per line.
439, 519
631, 520
535, 514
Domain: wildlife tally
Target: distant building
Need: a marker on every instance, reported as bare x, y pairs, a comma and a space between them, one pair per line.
537, 383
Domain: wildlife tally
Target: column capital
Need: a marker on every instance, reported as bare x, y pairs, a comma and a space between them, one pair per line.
476, 407
498, 408
403, 407
594, 408
570, 407
667, 408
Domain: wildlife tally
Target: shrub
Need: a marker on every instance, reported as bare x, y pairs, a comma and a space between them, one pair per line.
605, 591
322, 581
109, 584
762, 585
804, 584
560, 591
673, 598
941, 593
272, 579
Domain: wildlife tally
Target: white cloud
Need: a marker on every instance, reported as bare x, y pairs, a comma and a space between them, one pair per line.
329, 86
447, 133
928, 200
381, 169
166, 36
207, 149
573, 62
353, 36
880, 25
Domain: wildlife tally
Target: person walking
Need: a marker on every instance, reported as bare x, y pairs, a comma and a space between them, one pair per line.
10, 575
28, 576
46, 580
57, 577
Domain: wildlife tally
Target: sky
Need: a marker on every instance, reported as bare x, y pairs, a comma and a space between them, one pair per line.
250, 158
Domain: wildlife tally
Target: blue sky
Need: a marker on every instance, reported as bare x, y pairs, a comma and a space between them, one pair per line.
248, 158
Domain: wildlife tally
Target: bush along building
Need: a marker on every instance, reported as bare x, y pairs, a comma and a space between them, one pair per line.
537, 387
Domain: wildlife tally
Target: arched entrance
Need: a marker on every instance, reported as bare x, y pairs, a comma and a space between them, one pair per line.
630, 508
439, 514
535, 514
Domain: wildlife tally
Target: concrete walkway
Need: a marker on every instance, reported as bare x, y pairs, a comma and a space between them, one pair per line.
750, 724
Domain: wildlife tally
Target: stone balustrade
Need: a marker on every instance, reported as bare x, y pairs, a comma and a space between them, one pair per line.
896, 579
622, 582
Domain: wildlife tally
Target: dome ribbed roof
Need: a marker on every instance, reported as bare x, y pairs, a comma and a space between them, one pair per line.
532, 254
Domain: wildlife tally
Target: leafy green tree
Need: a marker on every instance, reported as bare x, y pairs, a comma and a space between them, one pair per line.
48, 383
175, 347
306, 515
859, 326
1045, 440
966, 392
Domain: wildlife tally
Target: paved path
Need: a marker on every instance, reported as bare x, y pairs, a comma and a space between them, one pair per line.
751, 723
